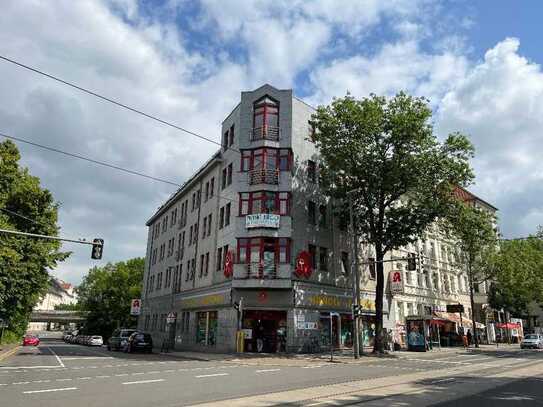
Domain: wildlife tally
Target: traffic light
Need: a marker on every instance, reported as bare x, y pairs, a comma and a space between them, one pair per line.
356, 309
411, 261
97, 249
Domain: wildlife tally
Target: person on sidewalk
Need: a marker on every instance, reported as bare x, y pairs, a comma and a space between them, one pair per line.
465, 341
469, 338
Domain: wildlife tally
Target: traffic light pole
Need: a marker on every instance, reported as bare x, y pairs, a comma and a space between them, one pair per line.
356, 285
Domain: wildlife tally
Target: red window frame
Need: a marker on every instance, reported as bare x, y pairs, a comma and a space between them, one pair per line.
259, 242
248, 198
282, 156
265, 108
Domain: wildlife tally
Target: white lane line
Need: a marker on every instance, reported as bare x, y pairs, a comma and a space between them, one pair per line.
49, 390
20, 383
267, 370
29, 367
138, 373
121, 374
145, 381
449, 379
211, 375
87, 357
85, 378
102, 377
311, 367
58, 359
63, 380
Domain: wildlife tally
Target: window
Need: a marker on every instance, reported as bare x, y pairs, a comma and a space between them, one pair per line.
195, 236
193, 202
266, 113
187, 274
204, 228
230, 169
266, 158
224, 176
345, 263
192, 268
227, 214
311, 217
209, 225
231, 136
312, 130
212, 187
190, 236
206, 191
206, 267
225, 140
313, 256
311, 171
259, 249
322, 216
159, 281
198, 198
264, 202
219, 259
323, 259
372, 265
200, 274
221, 218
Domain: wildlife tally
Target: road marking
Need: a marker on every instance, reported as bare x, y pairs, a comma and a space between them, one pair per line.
211, 375
449, 379
30, 367
138, 373
85, 378
267, 370
121, 374
63, 380
87, 357
102, 377
311, 367
58, 359
20, 383
49, 390
145, 381
317, 404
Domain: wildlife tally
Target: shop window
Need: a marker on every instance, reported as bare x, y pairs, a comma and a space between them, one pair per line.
323, 258
264, 202
313, 256
311, 216
206, 328
311, 171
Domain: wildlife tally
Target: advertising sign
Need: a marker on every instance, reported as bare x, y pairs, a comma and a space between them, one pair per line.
262, 220
454, 308
415, 335
396, 282
306, 325
303, 264
135, 307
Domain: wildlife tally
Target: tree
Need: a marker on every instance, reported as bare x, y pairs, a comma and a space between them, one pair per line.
106, 293
386, 151
518, 275
24, 262
473, 232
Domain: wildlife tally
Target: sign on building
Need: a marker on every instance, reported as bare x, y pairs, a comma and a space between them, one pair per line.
171, 317
262, 220
396, 282
135, 307
454, 308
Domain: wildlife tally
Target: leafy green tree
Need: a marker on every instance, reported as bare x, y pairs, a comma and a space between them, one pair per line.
402, 175
106, 293
518, 275
24, 262
472, 229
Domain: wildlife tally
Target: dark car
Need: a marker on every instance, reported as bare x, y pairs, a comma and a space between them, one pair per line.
119, 339
139, 341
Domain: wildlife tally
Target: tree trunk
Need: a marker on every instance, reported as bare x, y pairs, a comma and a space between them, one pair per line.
378, 345
472, 302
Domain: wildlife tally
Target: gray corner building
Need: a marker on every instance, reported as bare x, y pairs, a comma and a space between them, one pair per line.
243, 229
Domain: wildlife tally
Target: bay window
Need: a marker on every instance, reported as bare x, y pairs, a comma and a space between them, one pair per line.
266, 158
264, 202
266, 119
263, 250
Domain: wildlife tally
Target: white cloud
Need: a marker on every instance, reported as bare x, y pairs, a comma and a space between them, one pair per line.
499, 103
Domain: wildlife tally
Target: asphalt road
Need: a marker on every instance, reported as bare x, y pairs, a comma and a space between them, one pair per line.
59, 374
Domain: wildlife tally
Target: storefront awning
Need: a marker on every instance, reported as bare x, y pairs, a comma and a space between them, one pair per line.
508, 325
466, 322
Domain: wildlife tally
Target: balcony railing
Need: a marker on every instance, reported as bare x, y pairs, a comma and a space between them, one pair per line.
265, 133
263, 176
259, 270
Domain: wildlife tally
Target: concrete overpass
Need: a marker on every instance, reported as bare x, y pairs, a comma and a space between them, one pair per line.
57, 316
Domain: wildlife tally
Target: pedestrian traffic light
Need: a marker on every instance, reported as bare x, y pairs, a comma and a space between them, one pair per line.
411, 261
97, 249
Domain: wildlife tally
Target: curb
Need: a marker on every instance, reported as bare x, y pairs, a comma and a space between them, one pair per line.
9, 352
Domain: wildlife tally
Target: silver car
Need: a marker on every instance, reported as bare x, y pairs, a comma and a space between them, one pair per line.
532, 341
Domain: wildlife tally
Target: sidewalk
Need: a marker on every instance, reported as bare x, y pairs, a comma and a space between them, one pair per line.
340, 356
7, 350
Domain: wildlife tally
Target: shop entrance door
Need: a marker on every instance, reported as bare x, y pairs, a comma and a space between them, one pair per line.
268, 331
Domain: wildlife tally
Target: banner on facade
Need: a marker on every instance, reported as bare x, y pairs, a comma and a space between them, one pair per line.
135, 307
262, 220
229, 264
396, 282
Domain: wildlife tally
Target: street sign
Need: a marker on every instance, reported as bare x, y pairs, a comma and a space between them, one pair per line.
170, 319
454, 308
135, 307
396, 282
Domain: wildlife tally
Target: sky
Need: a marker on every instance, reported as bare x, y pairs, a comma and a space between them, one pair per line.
478, 62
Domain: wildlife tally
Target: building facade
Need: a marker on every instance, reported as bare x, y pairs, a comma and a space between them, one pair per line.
251, 227
59, 292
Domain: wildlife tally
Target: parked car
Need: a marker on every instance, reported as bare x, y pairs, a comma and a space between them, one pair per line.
139, 341
119, 339
95, 340
31, 340
533, 341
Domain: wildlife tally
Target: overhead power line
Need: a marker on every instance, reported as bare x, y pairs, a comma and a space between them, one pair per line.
110, 100
20, 216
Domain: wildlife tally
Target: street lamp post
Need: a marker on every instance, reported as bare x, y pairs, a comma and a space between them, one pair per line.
356, 280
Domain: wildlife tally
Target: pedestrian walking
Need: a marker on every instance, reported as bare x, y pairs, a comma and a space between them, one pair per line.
469, 338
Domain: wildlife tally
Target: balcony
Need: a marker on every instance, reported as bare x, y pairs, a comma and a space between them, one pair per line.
265, 133
264, 176
260, 275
